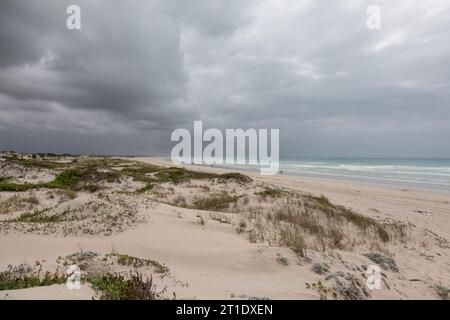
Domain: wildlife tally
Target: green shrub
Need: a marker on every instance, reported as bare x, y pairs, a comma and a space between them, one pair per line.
14, 187
13, 279
134, 286
37, 217
127, 260
67, 179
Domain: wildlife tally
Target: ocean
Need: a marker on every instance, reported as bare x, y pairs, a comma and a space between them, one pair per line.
422, 173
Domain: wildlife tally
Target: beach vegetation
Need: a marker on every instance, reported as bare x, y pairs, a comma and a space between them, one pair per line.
17, 202
16, 187
270, 193
219, 218
292, 238
23, 277
241, 227
341, 213
38, 217
442, 292
147, 187
323, 290
132, 286
215, 202
127, 260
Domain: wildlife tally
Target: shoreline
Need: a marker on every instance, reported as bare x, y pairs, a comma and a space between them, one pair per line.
409, 205
363, 182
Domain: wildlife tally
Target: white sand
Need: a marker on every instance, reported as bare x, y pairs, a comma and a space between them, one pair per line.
214, 262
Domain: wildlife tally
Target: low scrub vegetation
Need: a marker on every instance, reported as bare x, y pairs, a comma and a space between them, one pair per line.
23, 277
127, 260
88, 174
17, 202
133, 286
271, 192
215, 202
67, 179
38, 217
234, 177
179, 175
108, 285
323, 291
15, 187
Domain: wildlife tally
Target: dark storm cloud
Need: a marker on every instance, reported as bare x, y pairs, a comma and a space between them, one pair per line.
138, 69
125, 59
333, 87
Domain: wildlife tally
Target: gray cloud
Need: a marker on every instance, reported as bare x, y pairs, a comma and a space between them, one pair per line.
137, 70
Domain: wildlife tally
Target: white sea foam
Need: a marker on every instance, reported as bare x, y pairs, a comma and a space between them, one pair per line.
429, 172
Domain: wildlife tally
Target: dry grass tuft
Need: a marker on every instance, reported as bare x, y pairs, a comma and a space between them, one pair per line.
215, 202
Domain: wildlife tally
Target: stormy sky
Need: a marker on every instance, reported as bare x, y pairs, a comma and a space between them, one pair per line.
139, 69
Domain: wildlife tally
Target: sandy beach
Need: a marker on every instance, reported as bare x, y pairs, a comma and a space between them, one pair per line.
326, 123
210, 254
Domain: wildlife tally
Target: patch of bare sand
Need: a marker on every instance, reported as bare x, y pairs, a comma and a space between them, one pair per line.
53, 292
204, 262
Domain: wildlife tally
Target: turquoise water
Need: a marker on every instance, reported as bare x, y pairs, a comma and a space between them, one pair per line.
427, 173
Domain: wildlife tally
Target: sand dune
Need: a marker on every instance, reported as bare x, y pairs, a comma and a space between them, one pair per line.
210, 260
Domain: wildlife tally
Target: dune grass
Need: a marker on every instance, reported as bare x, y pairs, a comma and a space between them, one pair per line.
302, 222
334, 212
215, 202
292, 238
271, 193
